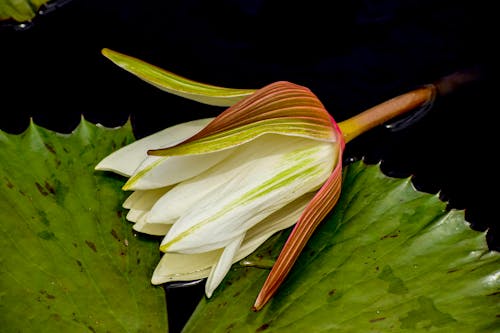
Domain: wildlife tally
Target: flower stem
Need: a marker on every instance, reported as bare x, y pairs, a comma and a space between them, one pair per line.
404, 103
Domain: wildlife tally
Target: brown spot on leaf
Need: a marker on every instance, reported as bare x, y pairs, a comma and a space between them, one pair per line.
494, 294
221, 305
46, 294
91, 245
376, 319
50, 188
389, 236
50, 148
115, 235
262, 328
41, 189
79, 263
332, 292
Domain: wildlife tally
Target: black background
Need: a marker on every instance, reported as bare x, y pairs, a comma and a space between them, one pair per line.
351, 54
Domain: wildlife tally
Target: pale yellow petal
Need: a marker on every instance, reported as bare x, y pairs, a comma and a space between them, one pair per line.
157, 171
187, 267
272, 172
144, 200
125, 160
156, 229
219, 270
184, 267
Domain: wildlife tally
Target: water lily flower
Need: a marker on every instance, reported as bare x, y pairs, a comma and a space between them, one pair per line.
217, 188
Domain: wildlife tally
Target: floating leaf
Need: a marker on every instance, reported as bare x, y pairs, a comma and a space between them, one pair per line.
69, 261
388, 259
20, 10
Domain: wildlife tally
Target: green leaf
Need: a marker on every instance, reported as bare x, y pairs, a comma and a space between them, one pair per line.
176, 84
388, 259
20, 10
69, 261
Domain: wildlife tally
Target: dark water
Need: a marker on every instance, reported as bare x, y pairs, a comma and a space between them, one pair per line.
352, 55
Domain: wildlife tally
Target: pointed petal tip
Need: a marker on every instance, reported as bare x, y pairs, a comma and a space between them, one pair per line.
208, 291
257, 306
265, 295
102, 165
157, 280
322, 203
267, 291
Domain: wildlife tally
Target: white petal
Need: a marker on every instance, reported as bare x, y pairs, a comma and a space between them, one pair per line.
281, 219
187, 267
184, 267
157, 229
159, 171
144, 200
125, 160
140, 204
135, 215
260, 178
186, 194
220, 270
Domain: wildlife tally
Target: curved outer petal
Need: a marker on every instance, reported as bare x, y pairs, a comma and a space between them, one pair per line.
175, 84
315, 212
127, 159
281, 108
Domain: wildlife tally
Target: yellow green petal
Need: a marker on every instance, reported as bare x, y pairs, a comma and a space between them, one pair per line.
176, 84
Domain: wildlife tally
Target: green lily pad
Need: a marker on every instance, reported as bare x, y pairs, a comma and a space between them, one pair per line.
388, 259
69, 260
